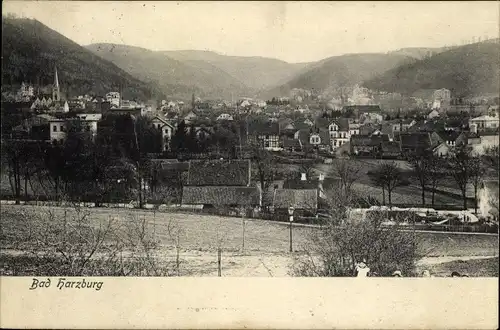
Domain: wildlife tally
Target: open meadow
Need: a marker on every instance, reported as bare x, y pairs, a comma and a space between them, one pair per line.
266, 243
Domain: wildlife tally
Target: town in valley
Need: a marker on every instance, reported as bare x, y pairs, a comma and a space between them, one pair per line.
121, 160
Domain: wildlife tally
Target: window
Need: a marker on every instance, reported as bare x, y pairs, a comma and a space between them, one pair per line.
54, 128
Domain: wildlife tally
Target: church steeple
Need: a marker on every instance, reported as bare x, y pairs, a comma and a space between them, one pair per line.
56, 93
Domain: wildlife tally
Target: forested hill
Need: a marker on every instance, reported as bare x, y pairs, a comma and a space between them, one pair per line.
468, 70
31, 50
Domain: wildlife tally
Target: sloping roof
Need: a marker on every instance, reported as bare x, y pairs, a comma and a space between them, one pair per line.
170, 164
298, 198
391, 147
387, 129
291, 143
415, 140
368, 140
299, 124
342, 123
163, 120
449, 135
219, 173
367, 129
322, 122
260, 128
220, 195
325, 136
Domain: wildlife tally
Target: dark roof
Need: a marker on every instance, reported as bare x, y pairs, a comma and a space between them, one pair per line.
367, 129
362, 108
391, 147
415, 140
368, 140
387, 129
298, 198
449, 135
170, 164
472, 135
219, 173
260, 128
220, 195
342, 123
163, 120
299, 124
291, 143
322, 122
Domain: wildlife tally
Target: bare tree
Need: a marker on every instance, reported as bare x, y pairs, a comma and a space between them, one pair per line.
476, 174
388, 176
175, 232
459, 165
72, 242
437, 172
421, 164
265, 166
343, 241
348, 172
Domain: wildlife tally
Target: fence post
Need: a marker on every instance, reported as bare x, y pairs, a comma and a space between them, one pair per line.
243, 238
219, 253
177, 256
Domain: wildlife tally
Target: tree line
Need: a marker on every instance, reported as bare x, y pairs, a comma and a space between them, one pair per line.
430, 171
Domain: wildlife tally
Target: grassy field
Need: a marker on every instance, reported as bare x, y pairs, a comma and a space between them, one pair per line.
201, 232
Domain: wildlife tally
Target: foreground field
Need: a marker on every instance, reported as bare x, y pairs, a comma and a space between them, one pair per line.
266, 243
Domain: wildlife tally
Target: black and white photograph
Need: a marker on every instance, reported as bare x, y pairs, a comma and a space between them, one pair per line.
249, 139
257, 139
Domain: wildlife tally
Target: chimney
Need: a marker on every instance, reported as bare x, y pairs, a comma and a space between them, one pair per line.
303, 177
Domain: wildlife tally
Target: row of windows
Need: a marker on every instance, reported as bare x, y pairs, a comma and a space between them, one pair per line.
338, 143
315, 140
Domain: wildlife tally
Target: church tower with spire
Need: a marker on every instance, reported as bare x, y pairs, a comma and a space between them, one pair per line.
56, 93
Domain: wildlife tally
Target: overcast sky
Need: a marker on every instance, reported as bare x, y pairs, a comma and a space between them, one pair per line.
291, 31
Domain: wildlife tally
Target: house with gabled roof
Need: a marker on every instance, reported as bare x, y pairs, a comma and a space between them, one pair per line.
166, 128
226, 183
266, 134
416, 142
339, 132
302, 200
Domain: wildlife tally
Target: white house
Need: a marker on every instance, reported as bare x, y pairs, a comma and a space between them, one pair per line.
113, 98
90, 120
165, 128
483, 122
57, 129
339, 133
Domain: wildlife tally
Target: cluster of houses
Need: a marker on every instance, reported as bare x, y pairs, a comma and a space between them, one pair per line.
229, 184
358, 130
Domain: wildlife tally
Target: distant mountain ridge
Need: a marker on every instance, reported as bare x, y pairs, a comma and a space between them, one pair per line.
31, 50
468, 70
256, 72
175, 78
338, 71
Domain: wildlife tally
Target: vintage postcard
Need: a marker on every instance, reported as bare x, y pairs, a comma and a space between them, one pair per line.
249, 164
